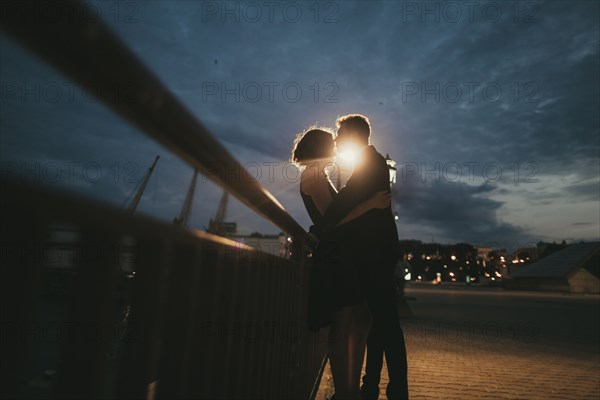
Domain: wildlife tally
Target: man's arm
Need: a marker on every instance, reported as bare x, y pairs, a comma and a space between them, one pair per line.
359, 188
379, 200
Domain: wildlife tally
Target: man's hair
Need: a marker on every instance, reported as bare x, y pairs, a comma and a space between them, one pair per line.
355, 122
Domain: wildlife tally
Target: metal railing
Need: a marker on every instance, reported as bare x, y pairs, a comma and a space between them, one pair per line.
195, 315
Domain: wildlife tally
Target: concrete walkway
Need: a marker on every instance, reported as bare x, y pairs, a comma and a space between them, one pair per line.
465, 344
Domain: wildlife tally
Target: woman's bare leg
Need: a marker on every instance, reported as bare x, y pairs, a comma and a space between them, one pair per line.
347, 342
339, 355
358, 341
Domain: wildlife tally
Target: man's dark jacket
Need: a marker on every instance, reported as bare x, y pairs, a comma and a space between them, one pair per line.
372, 238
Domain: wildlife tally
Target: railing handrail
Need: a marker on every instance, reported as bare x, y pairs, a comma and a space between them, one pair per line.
90, 53
84, 211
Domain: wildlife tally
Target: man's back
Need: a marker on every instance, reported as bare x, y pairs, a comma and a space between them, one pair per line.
373, 234
377, 225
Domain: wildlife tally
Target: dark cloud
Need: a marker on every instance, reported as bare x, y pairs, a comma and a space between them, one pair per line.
457, 211
585, 191
364, 59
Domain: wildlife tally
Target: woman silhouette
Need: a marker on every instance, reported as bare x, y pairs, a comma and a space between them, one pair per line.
337, 297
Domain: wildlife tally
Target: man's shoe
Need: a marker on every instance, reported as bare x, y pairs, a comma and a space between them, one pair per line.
369, 392
393, 393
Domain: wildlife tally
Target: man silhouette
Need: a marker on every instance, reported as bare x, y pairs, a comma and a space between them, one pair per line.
373, 244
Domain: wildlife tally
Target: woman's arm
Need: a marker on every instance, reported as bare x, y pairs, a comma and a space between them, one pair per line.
378, 200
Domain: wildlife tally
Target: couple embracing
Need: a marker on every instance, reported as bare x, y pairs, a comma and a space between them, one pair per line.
352, 281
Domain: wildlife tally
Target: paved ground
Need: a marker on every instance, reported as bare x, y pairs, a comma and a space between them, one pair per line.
477, 343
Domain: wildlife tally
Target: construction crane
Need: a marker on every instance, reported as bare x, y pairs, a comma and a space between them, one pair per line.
140, 191
217, 225
184, 215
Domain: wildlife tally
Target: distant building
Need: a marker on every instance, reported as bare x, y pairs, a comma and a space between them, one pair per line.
574, 269
276, 245
483, 253
526, 254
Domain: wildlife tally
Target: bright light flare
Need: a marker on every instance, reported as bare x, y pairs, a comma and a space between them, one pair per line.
348, 153
349, 156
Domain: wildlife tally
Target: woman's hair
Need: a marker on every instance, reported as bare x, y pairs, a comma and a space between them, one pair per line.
313, 144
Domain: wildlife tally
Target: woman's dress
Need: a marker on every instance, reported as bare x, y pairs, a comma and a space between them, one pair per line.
334, 281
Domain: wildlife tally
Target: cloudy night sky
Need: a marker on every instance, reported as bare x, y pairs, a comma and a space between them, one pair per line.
491, 111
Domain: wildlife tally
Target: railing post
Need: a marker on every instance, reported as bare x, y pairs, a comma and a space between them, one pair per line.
138, 369
206, 326
297, 255
22, 238
84, 361
180, 316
